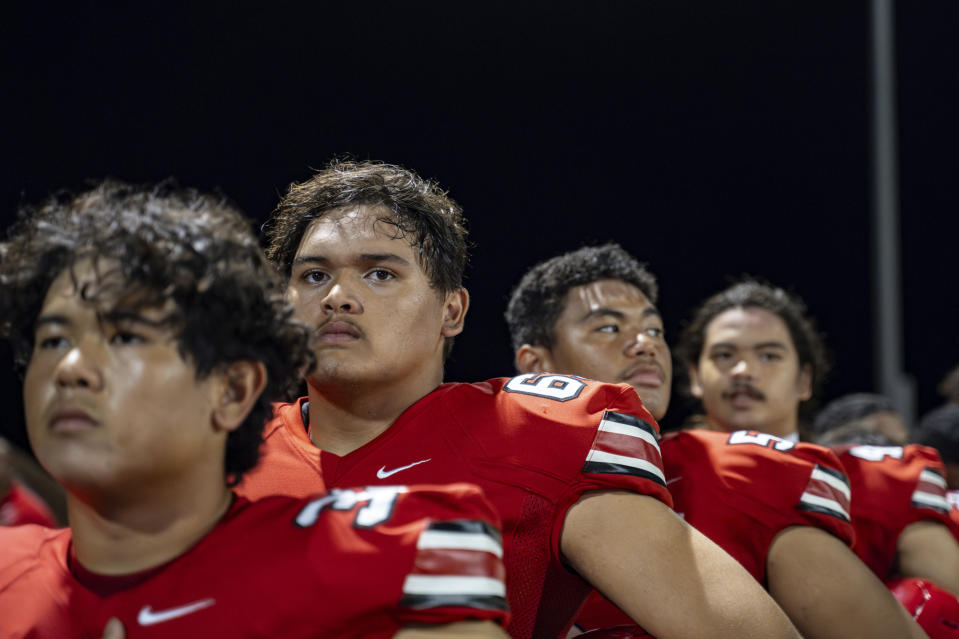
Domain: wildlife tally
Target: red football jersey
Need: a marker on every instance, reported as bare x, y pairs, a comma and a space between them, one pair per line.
21, 506
534, 443
741, 489
353, 563
892, 487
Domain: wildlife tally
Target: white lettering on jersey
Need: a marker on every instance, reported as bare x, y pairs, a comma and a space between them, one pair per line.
378, 500
558, 387
760, 439
876, 453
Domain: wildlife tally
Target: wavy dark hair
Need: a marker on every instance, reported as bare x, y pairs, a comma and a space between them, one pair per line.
419, 211
751, 293
170, 244
537, 301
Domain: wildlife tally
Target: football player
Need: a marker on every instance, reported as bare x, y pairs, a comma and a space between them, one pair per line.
780, 508
374, 257
153, 333
901, 511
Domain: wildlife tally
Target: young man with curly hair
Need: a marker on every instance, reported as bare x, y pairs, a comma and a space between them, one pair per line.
154, 335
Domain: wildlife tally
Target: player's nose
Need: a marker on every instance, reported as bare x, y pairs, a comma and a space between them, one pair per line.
342, 298
79, 368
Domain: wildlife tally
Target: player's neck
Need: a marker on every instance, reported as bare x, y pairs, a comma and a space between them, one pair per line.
114, 537
344, 417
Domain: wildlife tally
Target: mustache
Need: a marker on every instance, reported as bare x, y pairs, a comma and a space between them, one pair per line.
319, 327
746, 388
643, 366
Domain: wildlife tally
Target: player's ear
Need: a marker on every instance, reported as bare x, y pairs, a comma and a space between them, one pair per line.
240, 385
533, 359
695, 386
454, 312
805, 382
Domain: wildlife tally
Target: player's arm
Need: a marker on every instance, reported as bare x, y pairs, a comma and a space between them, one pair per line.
462, 629
670, 578
829, 592
928, 550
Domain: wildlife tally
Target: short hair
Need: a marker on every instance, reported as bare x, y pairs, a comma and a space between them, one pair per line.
855, 433
420, 211
537, 301
751, 293
940, 430
170, 244
848, 409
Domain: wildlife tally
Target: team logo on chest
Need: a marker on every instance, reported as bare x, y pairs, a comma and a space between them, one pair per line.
382, 473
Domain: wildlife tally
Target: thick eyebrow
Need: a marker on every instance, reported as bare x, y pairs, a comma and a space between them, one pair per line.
604, 311
131, 317
363, 257
775, 345
50, 319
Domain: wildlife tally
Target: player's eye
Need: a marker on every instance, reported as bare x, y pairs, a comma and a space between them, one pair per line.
52, 341
770, 356
314, 277
655, 331
381, 275
126, 338
607, 328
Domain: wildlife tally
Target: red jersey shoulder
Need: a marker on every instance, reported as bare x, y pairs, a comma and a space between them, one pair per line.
912, 473
777, 472
29, 542
284, 413
457, 553
564, 421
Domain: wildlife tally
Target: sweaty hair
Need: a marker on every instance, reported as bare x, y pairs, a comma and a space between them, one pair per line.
753, 294
418, 211
169, 245
850, 408
537, 301
940, 430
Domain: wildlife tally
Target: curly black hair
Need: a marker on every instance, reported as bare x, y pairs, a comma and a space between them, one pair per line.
751, 293
170, 244
419, 211
537, 301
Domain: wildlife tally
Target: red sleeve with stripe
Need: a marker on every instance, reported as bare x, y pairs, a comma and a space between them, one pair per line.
892, 487
457, 570
741, 489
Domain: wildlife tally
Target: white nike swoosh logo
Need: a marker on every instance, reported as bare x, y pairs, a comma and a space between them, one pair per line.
669, 481
382, 473
148, 617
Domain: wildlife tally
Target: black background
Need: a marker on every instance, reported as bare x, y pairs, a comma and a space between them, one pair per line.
710, 139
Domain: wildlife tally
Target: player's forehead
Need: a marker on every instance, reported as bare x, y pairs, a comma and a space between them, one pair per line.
586, 300
347, 233
748, 327
97, 287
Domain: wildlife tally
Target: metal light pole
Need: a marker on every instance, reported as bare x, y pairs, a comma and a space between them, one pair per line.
890, 377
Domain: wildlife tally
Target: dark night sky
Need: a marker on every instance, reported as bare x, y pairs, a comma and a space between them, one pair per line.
710, 139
